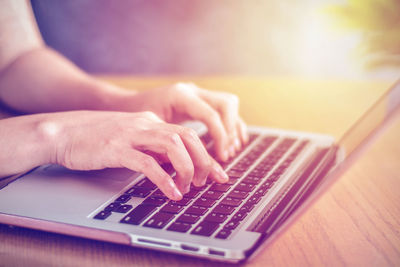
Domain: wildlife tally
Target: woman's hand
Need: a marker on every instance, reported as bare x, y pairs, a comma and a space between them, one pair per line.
87, 140
181, 101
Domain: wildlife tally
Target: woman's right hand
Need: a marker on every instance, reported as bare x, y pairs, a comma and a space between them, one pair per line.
89, 140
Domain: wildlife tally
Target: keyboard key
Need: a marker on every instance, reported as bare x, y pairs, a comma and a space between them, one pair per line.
183, 202
274, 177
232, 181
212, 194
113, 206
138, 214
204, 202
138, 192
123, 208
197, 210
216, 217
123, 199
259, 193
231, 225
252, 137
159, 220
102, 215
155, 201
267, 185
220, 187
223, 234
231, 201
223, 209
145, 183
238, 194
179, 227
198, 188
247, 207
192, 194
188, 218
205, 228
252, 179
172, 208
259, 173
234, 174
240, 167
254, 199
245, 187
158, 193
239, 216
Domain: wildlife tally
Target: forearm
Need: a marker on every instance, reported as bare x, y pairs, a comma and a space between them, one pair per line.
25, 143
43, 81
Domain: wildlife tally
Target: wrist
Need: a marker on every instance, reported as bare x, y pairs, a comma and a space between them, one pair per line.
26, 143
111, 97
49, 137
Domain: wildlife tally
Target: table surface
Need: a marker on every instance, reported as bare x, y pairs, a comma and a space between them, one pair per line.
357, 222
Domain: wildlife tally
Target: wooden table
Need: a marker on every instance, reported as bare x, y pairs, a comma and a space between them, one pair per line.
356, 223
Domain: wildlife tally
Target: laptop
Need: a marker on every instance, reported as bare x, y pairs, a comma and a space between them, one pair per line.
276, 177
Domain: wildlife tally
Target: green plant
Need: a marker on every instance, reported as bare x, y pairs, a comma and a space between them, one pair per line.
379, 23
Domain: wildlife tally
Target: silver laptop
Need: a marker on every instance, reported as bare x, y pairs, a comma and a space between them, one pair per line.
273, 180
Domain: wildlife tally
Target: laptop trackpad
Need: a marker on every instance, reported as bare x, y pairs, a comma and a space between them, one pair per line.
53, 191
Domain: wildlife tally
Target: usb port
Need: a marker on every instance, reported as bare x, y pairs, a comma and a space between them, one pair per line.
190, 248
216, 252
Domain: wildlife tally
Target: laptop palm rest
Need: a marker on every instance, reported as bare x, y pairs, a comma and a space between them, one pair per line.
54, 193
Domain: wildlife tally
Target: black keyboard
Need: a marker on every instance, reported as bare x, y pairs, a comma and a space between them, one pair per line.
214, 209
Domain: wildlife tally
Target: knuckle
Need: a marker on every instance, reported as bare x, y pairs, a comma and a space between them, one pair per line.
233, 98
149, 115
188, 171
180, 86
173, 139
205, 164
189, 133
147, 162
183, 87
231, 101
214, 116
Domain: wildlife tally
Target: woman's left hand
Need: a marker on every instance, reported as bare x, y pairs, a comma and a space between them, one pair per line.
219, 111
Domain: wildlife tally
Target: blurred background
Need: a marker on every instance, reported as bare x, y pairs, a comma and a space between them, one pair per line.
353, 39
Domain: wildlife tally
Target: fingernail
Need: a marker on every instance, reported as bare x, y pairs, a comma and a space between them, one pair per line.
186, 189
237, 143
246, 138
232, 151
225, 155
175, 191
223, 176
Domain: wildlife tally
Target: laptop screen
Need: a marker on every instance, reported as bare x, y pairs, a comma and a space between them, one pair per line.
381, 111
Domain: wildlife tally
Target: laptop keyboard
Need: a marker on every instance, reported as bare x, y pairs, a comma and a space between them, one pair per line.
214, 209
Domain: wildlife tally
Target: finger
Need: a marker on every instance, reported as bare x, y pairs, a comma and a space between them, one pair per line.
198, 153
140, 162
166, 141
227, 104
228, 107
149, 116
217, 173
242, 130
198, 109
160, 158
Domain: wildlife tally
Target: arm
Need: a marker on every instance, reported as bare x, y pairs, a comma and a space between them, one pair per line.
91, 140
33, 78
36, 79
